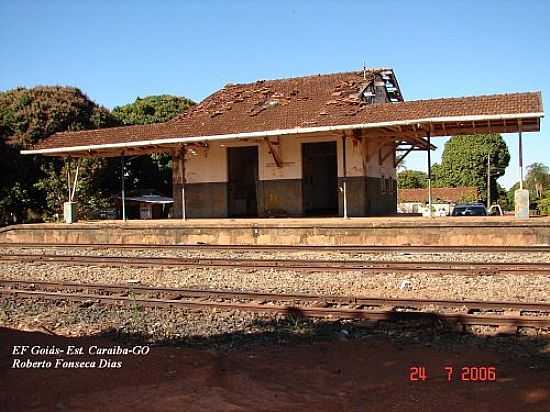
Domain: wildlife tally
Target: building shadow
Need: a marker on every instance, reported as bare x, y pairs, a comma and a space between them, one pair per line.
400, 328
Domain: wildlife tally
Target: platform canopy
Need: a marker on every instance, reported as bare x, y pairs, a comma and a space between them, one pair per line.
364, 104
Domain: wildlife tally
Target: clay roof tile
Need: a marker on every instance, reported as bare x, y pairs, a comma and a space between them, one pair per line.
322, 100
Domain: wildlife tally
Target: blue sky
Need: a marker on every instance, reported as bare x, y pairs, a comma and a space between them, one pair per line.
116, 51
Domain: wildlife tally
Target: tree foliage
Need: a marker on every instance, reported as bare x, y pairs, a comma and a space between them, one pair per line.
510, 195
538, 178
502, 198
464, 162
32, 114
154, 171
33, 187
537, 182
152, 109
98, 179
13, 197
544, 203
27, 116
412, 179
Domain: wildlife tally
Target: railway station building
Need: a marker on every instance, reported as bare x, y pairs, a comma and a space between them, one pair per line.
325, 145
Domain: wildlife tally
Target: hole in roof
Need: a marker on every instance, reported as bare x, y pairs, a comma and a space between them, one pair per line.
367, 95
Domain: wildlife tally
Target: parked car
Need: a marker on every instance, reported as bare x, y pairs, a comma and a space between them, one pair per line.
470, 209
105, 214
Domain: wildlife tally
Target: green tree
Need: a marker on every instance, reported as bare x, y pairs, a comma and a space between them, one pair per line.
412, 179
510, 196
152, 109
502, 198
537, 181
13, 198
436, 173
464, 162
32, 114
538, 178
27, 116
151, 171
544, 203
98, 180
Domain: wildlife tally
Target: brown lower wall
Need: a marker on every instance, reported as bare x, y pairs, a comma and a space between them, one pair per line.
381, 196
294, 232
357, 196
201, 200
283, 198
280, 197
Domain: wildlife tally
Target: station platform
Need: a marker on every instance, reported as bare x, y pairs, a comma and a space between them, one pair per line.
378, 231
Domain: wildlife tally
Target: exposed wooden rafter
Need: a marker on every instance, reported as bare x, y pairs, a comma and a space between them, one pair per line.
381, 157
402, 157
274, 151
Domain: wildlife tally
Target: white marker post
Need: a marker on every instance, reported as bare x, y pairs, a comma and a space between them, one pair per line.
521, 196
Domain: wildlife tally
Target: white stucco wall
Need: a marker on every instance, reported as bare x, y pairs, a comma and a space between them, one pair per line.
290, 149
206, 164
210, 164
374, 168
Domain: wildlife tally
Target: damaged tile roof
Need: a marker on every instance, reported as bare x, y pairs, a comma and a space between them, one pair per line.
445, 194
301, 102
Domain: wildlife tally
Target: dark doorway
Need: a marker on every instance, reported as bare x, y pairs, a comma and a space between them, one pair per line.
319, 181
243, 175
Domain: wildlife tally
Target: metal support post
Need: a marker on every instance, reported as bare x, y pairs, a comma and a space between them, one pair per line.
68, 166
428, 136
123, 192
520, 162
344, 185
183, 216
181, 164
488, 180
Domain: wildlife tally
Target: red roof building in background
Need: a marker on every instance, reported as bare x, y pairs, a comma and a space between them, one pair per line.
444, 194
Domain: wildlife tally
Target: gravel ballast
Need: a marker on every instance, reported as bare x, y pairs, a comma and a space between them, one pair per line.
523, 288
226, 330
510, 257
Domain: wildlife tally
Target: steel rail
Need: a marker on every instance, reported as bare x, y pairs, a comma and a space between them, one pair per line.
467, 268
291, 248
181, 293
254, 295
308, 312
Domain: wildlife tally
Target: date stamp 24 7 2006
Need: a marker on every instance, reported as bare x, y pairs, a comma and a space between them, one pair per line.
461, 374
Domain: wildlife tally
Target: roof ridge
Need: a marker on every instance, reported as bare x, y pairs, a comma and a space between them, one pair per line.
471, 96
318, 106
360, 71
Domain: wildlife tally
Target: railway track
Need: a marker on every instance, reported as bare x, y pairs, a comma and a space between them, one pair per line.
462, 268
291, 248
507, 316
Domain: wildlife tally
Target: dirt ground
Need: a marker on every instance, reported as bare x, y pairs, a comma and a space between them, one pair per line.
338, 375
